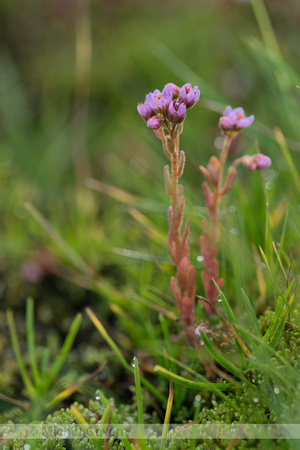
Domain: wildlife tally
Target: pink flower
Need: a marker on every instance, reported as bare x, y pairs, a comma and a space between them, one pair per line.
234, 119
257, 162
159, 101
145, 110
189, 95
176, 112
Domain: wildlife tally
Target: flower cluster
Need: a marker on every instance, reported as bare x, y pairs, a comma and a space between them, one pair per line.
234, 120
168, 105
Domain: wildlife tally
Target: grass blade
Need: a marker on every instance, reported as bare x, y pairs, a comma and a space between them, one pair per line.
220, 358
138, 390
120, 357
216, 388
59, 360
117, 194
183, 366
16, 347
241, 347
279, 328
85, 426
265, 27
273, 325
71, 389
279, 261
44, 362
31, 341
167, 341
106, 404
167, 417
251, 314
287, 156
73, 257
283, 233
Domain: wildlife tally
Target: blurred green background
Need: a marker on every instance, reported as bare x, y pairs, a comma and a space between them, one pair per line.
71, 76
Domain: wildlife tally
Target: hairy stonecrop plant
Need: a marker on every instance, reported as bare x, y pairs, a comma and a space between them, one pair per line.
231, 123
164, 112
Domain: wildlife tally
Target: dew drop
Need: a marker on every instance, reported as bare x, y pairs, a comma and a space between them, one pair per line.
198, 398
233, 231
219, 299
219, 142
269, 185
133, 363
276, 390
255, 399
155, 369
27, 447
200, 258
232, 209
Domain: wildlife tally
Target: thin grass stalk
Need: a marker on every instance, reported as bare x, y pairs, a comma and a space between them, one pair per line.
167, 417
31, 342
106, 403
85, 426
139, 397
31, 390
60, 359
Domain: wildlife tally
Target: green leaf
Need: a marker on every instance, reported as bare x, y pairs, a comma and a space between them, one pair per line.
220, 358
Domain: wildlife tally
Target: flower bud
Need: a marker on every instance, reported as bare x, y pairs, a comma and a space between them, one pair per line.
154, 122
145, 110
257, 162
176, 112
234, 120
171, 87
